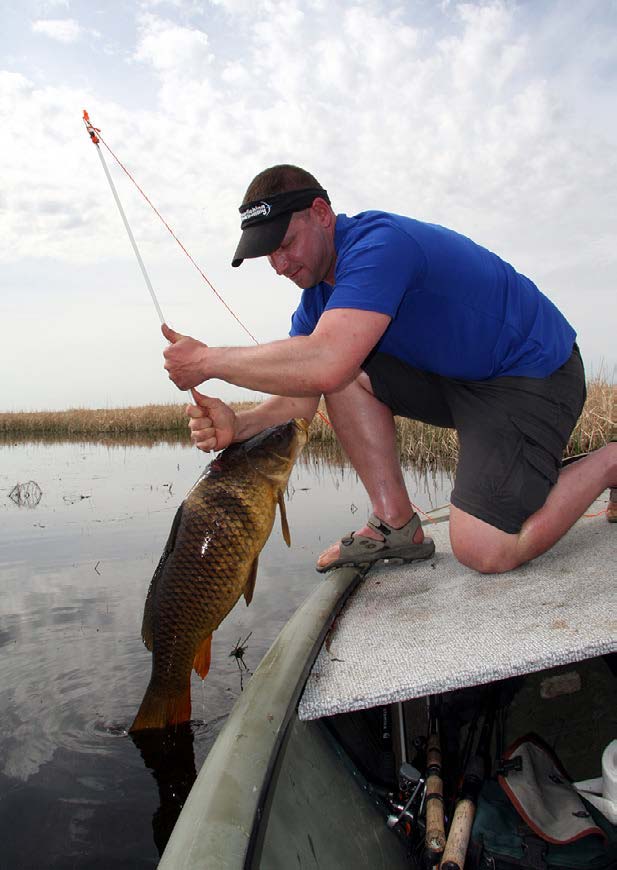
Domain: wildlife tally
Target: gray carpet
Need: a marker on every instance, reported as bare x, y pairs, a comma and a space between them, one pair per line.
429, 627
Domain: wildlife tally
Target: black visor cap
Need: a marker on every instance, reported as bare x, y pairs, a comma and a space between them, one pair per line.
265, 221
261, 239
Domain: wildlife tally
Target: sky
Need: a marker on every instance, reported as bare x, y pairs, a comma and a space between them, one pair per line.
497, 119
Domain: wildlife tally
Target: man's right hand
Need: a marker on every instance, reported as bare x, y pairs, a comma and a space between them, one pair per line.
212, 424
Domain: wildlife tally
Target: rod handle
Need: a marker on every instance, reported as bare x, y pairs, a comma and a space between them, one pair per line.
458, 838
435, 838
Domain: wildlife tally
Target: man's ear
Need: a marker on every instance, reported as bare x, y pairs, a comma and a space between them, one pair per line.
322, 211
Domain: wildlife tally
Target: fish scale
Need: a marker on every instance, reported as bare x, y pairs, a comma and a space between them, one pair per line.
209, 561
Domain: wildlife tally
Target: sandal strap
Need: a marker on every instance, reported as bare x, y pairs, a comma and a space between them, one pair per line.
395, 536
356, 546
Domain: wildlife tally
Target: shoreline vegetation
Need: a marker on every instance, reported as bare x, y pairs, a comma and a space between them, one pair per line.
419, 443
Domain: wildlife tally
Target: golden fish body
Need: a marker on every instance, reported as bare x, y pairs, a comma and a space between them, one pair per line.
209, 561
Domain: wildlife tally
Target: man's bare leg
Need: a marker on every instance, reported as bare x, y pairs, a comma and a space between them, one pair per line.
489, 550
365, 428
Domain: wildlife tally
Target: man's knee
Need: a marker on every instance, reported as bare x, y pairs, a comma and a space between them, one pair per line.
480, 546
486, 561
360, 383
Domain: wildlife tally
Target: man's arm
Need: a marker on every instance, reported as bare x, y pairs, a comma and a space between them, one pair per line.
214, 425
302, 366
278, 409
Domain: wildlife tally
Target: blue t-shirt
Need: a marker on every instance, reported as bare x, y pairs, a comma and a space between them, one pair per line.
457, 309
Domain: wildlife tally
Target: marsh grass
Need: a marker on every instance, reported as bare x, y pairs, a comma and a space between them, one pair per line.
598, 422
419, 443
422, 444
101, 422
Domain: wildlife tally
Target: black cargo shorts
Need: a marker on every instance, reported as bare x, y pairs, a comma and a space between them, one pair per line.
512, 431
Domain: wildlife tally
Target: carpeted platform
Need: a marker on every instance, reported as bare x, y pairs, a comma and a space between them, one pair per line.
412, 630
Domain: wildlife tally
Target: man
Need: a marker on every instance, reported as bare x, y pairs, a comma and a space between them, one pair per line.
403, 317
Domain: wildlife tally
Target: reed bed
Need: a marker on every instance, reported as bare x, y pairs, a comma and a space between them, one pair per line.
147, 419
598, 422
422, 444
419, 443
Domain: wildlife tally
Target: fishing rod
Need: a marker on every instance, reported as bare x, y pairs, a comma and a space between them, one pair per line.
93, 133
476, 770
435, 837
95, 136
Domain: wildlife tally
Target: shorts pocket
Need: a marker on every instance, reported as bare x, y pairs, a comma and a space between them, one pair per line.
542, 470
535, 453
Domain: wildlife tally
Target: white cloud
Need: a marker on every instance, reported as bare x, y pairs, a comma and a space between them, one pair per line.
61, 29
471, 115
171, 48
191, 7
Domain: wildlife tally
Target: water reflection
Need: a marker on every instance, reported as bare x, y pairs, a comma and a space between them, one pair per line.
170, 756
74, 573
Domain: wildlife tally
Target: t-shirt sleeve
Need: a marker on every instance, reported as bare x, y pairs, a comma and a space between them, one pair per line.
300, 322
375, 270
305, 317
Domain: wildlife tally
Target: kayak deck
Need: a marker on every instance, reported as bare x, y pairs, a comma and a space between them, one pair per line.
427, 628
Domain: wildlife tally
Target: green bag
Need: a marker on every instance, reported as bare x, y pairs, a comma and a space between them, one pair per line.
500, 840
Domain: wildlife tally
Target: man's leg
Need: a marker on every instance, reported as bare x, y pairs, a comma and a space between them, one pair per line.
479, 545
365, 428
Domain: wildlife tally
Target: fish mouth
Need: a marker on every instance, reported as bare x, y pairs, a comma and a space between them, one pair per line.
301, 425
283, 441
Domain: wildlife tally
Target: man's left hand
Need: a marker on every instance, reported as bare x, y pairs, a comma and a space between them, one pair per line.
184, 359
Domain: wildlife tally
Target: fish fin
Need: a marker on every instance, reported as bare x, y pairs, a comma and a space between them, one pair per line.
284, 523
201, 662
250, 583
147, 625
157, 711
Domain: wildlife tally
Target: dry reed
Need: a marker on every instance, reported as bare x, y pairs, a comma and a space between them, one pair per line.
419, 443
147, 419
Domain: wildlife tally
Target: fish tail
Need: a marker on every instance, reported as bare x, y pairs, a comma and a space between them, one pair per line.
161, 711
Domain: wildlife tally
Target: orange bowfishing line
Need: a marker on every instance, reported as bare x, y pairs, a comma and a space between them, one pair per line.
95, 136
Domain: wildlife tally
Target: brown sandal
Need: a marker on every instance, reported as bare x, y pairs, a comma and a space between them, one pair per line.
397, 546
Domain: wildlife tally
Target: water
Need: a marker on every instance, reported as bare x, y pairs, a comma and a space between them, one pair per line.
76, 791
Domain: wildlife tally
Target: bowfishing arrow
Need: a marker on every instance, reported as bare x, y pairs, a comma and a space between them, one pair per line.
93, 133
95, 136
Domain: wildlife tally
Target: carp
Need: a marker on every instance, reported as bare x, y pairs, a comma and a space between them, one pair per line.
209, 561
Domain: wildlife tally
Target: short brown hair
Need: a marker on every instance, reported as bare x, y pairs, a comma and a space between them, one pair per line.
279, 179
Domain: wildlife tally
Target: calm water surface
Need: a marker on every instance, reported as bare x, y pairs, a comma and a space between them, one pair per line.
76, 791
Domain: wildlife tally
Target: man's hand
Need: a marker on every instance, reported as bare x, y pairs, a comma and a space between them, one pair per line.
212, 423
184, 359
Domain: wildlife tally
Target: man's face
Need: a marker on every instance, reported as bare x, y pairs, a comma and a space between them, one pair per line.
306, 255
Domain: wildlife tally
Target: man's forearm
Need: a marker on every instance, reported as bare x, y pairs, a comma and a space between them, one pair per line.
293, 367
303, 366
273, 411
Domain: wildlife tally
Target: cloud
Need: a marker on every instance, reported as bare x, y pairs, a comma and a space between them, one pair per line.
65, 30
189, 7
452, 117
171, 48
466, 114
